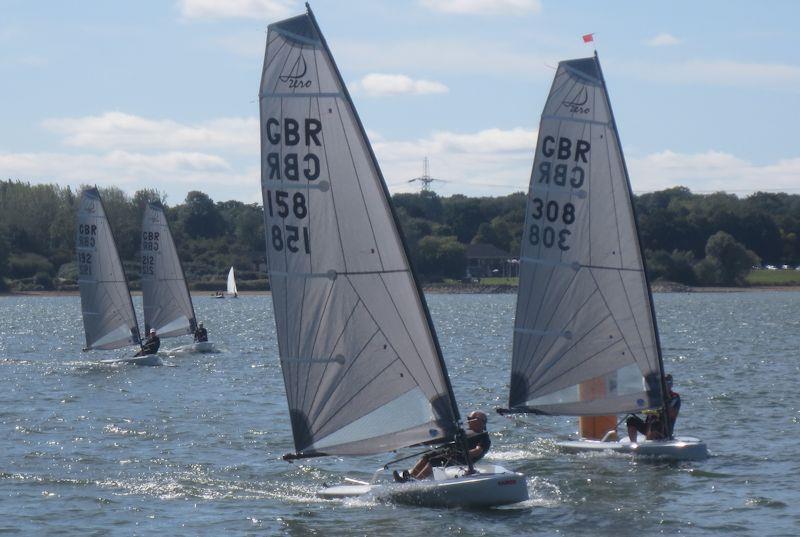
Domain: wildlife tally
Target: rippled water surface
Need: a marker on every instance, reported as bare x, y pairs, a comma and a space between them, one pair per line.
194, 449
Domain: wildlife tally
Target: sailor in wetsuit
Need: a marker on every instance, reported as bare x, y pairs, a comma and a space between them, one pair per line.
654, 427
151, 345
478, 443
201, 334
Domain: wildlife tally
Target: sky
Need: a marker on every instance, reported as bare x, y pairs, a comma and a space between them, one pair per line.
163, 93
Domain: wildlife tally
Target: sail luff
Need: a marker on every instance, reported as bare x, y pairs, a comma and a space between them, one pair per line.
653, 318
397, 226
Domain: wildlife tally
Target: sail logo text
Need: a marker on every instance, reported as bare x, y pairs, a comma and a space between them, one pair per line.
296, 74
578, 104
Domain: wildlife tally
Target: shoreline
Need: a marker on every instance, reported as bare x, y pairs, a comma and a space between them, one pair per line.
467, 289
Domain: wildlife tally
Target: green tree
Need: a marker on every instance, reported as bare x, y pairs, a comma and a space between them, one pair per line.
441, 257
675, 267
200, 217
730, 260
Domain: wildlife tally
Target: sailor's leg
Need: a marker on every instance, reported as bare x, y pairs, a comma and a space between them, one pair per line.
635, 425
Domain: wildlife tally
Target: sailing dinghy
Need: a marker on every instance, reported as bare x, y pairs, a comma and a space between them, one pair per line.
362, 367
109, 319
585, 337
232, 292
167, 303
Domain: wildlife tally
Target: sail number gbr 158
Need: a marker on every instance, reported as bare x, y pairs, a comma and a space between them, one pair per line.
282, 204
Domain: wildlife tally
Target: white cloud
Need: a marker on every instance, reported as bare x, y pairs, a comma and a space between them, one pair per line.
487, 162
500, 7
220, 157
712, 171
716, 72
381, 85
457, 56
663, 40
266, 10
117, 130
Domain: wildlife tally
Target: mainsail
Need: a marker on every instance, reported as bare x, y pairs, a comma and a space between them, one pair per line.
167, 303
584, 309
362, 367
232, 283
108, 316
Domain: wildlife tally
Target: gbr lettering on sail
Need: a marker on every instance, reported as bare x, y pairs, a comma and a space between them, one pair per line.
295, 162
562, 164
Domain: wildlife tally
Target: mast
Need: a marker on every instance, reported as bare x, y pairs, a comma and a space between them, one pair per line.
461, 435
663, 382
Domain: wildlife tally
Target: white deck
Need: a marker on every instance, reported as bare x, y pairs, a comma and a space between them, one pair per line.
679, 448
491, 486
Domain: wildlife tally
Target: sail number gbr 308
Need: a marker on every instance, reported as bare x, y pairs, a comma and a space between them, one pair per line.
289, 166
552, 220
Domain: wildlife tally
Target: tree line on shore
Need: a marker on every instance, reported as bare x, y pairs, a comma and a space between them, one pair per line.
695, 239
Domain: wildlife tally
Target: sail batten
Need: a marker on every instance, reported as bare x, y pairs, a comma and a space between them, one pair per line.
109, 319
166, 299
582, 270
362, 368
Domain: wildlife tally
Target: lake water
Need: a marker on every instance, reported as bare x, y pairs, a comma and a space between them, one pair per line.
195, 449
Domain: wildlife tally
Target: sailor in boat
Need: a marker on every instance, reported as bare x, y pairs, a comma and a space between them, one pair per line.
654, 427
151, 344
201, 334
478, 444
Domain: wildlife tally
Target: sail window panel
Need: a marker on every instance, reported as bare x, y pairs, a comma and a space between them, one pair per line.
625, 381
409, 410
119, 336
626, 403
625, 293
177, 327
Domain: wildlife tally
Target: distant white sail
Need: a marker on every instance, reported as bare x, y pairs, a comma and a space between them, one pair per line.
362, 369
584, 309
167, 303
232, 283
108, 316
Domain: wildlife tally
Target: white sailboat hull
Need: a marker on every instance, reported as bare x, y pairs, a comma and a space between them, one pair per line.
150, 359
193, 348
491, 486
682, 448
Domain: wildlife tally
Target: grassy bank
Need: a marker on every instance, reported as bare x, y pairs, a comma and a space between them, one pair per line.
774, 277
